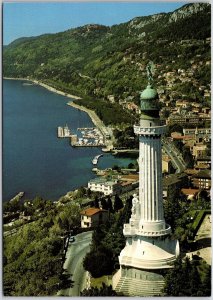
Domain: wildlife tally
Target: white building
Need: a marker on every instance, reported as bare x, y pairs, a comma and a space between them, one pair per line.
149, 250
107, 187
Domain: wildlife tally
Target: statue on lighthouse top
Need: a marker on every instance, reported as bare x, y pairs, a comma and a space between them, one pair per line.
150, 72
149, 97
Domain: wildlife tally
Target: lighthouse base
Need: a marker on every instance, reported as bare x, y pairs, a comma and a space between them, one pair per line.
130, 281
144, 261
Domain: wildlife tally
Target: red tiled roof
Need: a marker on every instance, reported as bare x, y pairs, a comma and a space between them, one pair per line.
91, 211
130, 177
190, 191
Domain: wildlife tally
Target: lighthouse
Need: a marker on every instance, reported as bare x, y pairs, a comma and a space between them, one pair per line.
149, 251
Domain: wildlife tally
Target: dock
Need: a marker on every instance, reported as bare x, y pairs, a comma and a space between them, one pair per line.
64, 132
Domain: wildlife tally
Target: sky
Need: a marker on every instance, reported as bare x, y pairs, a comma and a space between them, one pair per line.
25, 19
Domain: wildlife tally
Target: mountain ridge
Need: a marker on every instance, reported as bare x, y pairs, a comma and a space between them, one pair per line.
97, 61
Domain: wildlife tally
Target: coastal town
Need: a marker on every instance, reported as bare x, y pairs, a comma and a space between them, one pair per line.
141, 226
188, 173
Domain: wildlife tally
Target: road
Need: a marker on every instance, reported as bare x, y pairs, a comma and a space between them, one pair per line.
74, 263
175, 155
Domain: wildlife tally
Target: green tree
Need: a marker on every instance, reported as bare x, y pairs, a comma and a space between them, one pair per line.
103, 291
118, 203
99, 262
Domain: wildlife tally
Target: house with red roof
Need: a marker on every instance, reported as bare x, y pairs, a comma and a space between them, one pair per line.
91, 217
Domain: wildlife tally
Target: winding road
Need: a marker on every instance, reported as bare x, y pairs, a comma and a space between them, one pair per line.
175, 155
74, 263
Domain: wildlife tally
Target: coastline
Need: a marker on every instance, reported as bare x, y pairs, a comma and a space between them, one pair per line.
93, 116
48, 87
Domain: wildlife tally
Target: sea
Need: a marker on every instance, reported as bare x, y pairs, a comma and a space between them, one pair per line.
34, 160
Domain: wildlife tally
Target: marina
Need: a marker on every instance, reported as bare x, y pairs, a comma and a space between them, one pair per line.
88, 137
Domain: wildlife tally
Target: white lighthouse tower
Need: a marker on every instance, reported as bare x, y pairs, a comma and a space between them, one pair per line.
149, 249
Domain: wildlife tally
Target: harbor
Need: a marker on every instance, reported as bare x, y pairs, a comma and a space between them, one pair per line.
70, 162
86, 137
89, 137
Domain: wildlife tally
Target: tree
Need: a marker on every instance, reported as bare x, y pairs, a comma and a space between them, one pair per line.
69, 217
103, 291
96, 202
39, 203
99, 262
207, 283
104, 204
185, 280
118, 203
109, 204
172, 208
188, 158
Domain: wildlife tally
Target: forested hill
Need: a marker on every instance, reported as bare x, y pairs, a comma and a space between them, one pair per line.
98, 61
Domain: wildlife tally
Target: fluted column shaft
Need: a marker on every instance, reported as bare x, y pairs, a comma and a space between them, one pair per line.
150, 178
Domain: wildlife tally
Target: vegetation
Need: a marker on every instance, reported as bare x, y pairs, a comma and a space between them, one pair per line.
107, 243
107, 111
33, 254
184, 216
188, 278
126, 138
103, 291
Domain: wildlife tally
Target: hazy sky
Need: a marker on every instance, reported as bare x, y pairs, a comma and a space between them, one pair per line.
25, 19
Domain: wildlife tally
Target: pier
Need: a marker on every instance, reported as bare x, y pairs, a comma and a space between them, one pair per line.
96, 158
17, 197
64, 132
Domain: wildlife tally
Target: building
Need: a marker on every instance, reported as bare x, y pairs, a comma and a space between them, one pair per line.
202, 180
199, 150
204, 160
166, 164
149, 250
105, 186
93, 216
189, 119
200, 134
174, 182
191, 194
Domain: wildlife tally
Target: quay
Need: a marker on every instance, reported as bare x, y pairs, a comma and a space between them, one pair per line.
64, 132
86, 128
17, 197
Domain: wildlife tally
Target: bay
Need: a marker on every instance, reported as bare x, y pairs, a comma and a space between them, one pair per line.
34, 159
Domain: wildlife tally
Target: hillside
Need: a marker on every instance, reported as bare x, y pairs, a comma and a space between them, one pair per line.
108, 63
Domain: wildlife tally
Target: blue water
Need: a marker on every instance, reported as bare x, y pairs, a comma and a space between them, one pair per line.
34, 159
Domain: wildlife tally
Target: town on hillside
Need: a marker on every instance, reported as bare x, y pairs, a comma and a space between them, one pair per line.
142, 229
